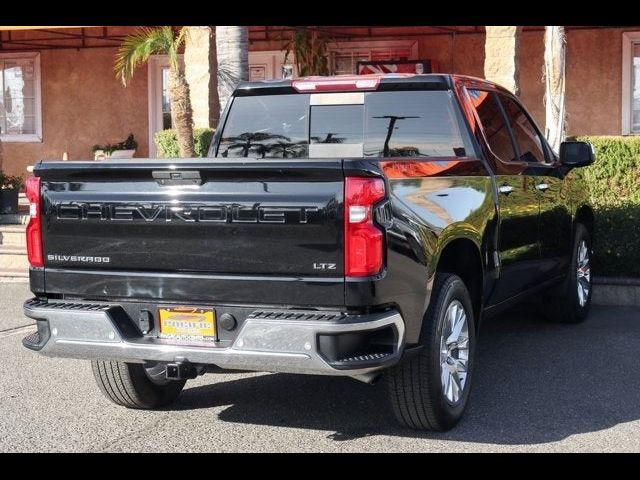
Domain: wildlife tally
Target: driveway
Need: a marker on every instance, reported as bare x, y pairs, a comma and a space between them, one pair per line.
538, 387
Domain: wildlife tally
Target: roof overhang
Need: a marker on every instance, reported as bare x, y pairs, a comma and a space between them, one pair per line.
39, 28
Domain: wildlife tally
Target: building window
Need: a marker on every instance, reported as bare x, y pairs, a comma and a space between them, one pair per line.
631, 83
159, 97
344, 56
20, 102
166, 100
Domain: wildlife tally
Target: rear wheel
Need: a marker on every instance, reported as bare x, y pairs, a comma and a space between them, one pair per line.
136, 385
429, 391
574, 298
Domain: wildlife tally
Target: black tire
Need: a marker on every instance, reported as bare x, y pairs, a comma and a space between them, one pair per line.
129, 384
566, 306
414, 386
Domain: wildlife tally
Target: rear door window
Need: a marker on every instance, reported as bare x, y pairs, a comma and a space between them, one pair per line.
526, 135
493, 122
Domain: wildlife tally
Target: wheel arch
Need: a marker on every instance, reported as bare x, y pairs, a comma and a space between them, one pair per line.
586, 216
461, 256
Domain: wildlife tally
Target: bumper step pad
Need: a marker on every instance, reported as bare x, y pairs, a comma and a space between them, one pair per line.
365, 358
32, 341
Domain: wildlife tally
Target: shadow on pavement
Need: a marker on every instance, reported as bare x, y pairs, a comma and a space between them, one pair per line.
536, 382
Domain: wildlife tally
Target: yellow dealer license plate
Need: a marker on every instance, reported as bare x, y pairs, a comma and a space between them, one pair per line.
188, 323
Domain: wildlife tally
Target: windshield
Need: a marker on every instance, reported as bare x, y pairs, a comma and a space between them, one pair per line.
371, 124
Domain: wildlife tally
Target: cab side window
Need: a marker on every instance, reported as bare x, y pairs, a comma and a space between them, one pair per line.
493, 124
529, 142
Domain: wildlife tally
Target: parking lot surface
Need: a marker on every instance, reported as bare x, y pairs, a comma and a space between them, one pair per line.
538, 387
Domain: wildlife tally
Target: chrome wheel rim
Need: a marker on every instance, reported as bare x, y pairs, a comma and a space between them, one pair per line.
454, 352
583, 273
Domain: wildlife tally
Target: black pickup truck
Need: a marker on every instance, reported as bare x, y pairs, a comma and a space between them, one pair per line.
356, 226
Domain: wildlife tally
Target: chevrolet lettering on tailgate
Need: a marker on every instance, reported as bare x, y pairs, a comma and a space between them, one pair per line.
184, 213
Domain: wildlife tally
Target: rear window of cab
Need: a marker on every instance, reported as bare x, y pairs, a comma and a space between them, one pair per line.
345, 125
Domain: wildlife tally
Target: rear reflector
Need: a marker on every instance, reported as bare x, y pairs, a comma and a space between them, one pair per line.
336, 84
34, 227
363, 240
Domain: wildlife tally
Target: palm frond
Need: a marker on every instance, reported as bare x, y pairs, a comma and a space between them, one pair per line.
176, 43
139, 46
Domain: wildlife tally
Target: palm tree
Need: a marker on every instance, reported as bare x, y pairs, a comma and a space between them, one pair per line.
288, 149
258, 141
232, 45
136, 49
309, 52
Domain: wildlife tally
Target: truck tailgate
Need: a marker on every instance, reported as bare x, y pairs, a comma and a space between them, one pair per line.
248, 218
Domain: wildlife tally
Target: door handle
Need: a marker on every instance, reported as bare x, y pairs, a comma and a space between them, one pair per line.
543, 187
505, 189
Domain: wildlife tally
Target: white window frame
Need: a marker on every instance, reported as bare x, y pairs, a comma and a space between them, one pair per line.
28, 137
344, 47
272, 62
628, 40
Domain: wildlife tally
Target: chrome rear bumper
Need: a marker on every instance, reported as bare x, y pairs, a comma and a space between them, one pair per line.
97, 331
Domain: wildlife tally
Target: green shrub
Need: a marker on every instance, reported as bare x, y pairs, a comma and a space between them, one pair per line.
128, 144
11, 182
167, 142
613, 184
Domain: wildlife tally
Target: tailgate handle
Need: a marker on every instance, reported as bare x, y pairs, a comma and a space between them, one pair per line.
175, 177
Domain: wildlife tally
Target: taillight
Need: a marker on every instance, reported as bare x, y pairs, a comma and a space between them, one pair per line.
363, 240
34, 227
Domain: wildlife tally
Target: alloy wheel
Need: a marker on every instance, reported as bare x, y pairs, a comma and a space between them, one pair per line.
583, 273
454, 352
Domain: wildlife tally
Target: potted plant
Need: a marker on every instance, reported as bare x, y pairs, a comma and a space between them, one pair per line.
125, 149
10, 186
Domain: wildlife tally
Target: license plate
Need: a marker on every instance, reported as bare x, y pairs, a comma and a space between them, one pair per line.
188, 323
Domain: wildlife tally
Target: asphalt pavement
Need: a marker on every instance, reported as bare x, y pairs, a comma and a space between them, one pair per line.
538, 387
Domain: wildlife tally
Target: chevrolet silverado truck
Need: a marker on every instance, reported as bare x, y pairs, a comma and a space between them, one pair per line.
355, 226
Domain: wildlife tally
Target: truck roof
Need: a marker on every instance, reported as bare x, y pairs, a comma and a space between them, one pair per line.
389, 81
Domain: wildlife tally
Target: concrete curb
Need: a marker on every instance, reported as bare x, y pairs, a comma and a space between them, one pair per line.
616, 291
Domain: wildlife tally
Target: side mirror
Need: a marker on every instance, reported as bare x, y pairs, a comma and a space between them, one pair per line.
576, 154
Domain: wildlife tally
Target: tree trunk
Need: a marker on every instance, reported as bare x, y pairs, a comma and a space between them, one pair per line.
214, 98
554, 93
232, 44
201, 67
181, 114
501, 62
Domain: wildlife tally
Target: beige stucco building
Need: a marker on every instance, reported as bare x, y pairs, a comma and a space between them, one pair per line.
60, 94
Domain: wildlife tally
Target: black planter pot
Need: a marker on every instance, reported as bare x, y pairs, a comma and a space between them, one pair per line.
8, 201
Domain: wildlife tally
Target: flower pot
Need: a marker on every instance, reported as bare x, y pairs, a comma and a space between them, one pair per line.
102, 155
8, 201
122, 154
